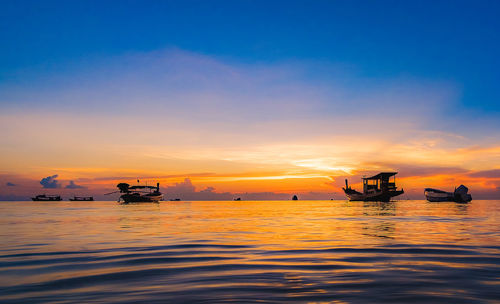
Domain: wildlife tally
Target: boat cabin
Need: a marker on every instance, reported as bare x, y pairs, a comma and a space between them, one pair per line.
385, 181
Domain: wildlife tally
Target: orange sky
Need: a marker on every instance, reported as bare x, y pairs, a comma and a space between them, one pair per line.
314, 169
230, 128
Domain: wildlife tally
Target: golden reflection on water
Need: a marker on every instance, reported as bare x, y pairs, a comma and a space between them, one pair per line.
283, 224
305, 248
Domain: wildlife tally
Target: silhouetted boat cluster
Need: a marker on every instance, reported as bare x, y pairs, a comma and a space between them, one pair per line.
57, 198
380, 187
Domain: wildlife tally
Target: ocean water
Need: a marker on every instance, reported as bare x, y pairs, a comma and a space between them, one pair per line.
240, 252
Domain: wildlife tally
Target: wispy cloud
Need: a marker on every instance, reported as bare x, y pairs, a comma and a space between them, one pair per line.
72, 185
161, 115
494, 173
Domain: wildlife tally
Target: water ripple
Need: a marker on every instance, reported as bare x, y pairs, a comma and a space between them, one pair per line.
261, 259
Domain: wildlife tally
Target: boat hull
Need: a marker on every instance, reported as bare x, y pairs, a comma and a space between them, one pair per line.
440, 196
134, 198
373, 197
438, 199
82, 199
46, 199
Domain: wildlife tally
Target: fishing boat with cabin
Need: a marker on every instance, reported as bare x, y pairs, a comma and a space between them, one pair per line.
380, 187
139, 193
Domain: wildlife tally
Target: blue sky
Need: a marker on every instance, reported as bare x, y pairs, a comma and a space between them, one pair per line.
457, 41
284, 96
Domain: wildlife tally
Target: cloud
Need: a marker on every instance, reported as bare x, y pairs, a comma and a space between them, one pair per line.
208, 190
187, 112
411, 170
72, 185
185, 190
191, 87
142, 177
50, 182
185, 187
9, 184
494, 173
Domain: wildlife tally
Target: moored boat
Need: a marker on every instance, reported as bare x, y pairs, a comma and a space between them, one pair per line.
375, 188
139, 193
460, 195
82, 198
46, 198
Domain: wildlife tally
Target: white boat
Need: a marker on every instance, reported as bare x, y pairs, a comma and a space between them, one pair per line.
460, 195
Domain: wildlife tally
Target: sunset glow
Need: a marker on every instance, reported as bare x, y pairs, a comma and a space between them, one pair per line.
249, 151
241, 123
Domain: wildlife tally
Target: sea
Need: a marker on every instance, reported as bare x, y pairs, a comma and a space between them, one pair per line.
408, 251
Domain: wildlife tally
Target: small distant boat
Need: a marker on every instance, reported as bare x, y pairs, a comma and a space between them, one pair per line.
82, 198
460, 195
375, 188
295, 198
175, 199
139, 193
238, 199
46, 198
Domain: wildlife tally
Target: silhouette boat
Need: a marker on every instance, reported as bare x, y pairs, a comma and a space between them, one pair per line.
175, 199
139, 193
460, 195
375, 188
82, 198
46, 198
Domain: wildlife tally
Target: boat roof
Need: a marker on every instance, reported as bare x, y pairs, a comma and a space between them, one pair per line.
434, 190
381, 175
142, 187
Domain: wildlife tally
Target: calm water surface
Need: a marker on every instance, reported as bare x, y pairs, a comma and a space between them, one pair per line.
272, 252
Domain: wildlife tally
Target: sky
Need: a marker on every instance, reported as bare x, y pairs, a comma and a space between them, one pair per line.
252, 99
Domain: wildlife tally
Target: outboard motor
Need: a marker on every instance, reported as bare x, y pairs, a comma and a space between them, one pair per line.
461, 194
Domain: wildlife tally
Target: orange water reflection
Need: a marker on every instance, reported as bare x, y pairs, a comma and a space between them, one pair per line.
305, 249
